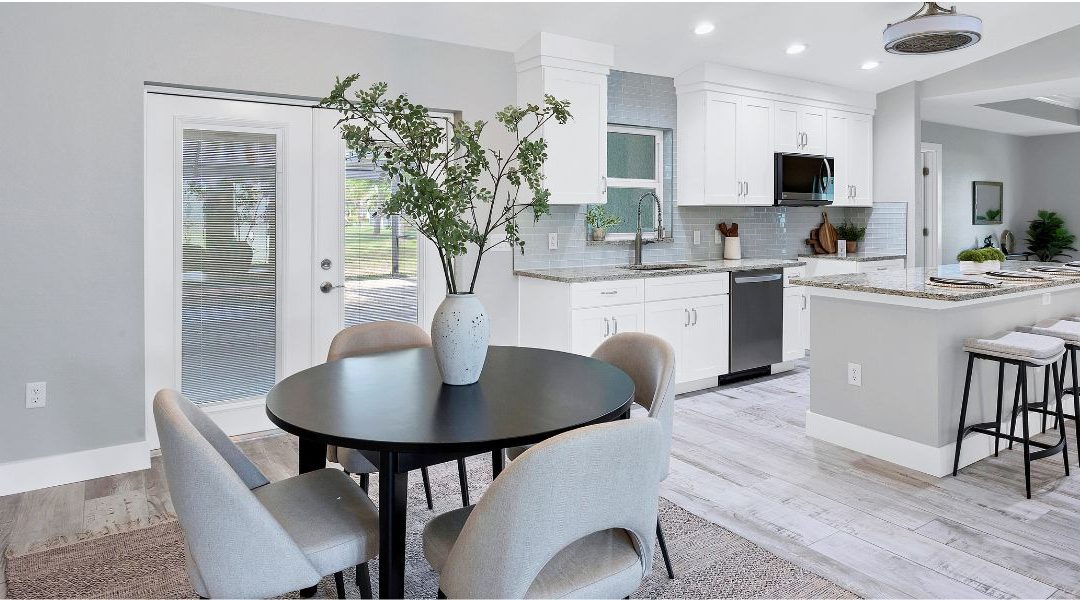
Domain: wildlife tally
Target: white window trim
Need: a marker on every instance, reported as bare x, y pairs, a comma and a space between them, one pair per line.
655, 184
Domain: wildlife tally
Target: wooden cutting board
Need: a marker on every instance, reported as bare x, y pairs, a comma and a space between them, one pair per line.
827, 234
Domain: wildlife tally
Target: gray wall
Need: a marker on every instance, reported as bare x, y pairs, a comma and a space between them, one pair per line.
1052, 164
969, 155
897, 164
71, 178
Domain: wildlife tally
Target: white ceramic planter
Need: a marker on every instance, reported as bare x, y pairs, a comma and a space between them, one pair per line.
460, 332
970, 267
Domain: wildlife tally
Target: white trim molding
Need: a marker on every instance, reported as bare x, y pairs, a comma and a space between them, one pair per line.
904, 452
47, 471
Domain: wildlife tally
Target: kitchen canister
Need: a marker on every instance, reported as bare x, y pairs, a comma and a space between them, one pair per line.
732, 248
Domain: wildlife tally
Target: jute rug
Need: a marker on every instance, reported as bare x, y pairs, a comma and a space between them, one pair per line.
147, 560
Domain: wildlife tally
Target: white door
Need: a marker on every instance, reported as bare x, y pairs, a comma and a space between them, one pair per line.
787, 137
812, 123
755, 151
837, 140
577, 151
589, 327
721, 157
705, 353
860, 155
668, 320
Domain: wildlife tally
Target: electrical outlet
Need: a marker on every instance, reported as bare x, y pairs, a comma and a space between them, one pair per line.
1046, 299
553, 241
854, 374
717, 238
35, 394
697, 237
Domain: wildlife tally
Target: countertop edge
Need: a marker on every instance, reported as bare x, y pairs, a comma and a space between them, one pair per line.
855, 257
619, 274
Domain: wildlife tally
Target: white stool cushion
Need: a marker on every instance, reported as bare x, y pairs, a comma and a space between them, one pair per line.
1066, 330
1017, 345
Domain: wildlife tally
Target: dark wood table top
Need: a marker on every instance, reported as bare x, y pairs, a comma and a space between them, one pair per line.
396, 401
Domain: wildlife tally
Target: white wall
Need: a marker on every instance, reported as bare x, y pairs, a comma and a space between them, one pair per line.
1052, 164
71, 179
975, 155
897, 159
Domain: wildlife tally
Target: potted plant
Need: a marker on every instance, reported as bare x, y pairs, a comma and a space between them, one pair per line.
455, 191
980, 260
599, 219
1047, 237
852, 234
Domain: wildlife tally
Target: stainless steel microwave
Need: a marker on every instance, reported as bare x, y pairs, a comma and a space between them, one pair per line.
804, 180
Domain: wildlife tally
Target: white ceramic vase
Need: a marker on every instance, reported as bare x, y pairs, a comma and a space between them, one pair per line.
460, 332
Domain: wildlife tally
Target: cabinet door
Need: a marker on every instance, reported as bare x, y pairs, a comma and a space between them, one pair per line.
705, 350
860, 159
804, 322
837, 147
793, 313
787, 136
669, 320
721, 184
577, 151
630, 317
754, 163
812, 124
588, 328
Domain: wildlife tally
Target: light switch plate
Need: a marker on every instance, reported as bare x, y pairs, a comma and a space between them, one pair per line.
35, 394
697, 237
854, 374
553, 241
718, 238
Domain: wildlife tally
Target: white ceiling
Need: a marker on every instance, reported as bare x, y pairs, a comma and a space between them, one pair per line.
965, 110
656, 38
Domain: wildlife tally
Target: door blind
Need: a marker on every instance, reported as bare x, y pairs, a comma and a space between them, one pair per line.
229, 265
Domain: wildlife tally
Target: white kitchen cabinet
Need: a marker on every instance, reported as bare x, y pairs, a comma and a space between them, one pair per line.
795, 312
850, 143
589, 327
799, 128
871, 266
705, 349
754, 163
668, 319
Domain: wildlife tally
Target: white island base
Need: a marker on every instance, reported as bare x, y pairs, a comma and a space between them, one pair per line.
909, 351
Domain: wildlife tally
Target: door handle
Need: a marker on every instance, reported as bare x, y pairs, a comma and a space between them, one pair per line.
687, 323
758, 278
694, 310
607, 327
616, 321
325, 287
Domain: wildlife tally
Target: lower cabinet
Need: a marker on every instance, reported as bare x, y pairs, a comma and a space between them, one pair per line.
589, 327
796, 323
697, 328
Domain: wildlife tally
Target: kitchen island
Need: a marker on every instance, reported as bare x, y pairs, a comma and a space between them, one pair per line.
887, 363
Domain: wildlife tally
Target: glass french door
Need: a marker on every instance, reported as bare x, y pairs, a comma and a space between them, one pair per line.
263, 239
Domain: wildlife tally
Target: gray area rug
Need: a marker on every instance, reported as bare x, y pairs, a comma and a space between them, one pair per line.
146, 560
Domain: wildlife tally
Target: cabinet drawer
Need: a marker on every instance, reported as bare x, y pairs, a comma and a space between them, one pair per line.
685, 286
790, 272
880, 265
606, 293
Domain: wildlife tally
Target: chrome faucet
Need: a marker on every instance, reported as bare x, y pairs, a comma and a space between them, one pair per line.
638, 242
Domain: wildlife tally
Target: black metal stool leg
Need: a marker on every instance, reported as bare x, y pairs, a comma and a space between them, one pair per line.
663, 549
1046, 395
1000, 393
363, 580
339, 581
1022, 377
365, 481
464, 480
1058, 414
1015, 408
963, 414
427, 487
1075, 393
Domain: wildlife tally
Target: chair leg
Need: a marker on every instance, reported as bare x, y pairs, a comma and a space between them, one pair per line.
1000, 393
440, 594
1076, 395
963, 414
1015, 408
363, 580
1022, 376
339, 581
365, 481
1060, 420
309, 592
663, 549
427, 486
1046, 395
463, 478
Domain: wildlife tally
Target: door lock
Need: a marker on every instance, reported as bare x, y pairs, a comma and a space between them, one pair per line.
326, 286
326, 264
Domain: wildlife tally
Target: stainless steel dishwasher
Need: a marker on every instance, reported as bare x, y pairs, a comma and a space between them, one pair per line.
757, 318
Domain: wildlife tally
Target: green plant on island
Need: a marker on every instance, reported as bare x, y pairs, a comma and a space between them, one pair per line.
598, 217
980, 255
1047, 237
450, 187
849, 231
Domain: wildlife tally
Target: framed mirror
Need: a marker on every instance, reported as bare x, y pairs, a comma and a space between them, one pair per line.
986, 202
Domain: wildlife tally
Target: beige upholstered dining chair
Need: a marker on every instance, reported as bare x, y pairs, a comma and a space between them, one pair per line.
566, 519
247, 537
369, 338
650, 363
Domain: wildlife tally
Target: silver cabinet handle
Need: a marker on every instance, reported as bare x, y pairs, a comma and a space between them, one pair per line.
616, 325
747, 192
694, 310
603, 184
856, 193
687, 323
804, 301
326, 287
609, 292
607, 327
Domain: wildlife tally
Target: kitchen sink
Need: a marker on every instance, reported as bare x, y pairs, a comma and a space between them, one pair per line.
662, 267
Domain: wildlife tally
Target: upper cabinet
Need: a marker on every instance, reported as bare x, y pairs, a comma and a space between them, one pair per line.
850, 142
799, 128
732, 121
574, 70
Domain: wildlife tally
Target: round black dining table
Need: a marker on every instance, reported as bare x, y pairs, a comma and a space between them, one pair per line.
394, 408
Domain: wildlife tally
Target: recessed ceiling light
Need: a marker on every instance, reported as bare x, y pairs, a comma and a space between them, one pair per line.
870, 64
796, 48
704, 27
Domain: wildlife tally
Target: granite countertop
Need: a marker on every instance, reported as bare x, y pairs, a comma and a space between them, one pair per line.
913, 282
856, 256
613, 272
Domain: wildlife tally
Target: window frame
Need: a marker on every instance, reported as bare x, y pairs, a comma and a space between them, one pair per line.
657, 184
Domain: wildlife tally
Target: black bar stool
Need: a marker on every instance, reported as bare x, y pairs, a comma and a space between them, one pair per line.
1024, 350
1069, 331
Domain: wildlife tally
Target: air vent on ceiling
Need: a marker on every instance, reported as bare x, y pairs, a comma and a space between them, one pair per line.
931, 30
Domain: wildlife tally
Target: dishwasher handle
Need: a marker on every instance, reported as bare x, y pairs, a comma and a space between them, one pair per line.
758, 278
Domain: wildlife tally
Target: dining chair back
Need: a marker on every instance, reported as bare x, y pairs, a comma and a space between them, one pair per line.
235, 547
583, 500
383, 336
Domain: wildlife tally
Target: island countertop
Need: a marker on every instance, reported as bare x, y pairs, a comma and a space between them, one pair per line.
913, 283
614, 272
856, 256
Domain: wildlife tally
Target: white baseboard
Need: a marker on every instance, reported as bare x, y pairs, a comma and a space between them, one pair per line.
695, 385
238, 418
904, 452
36, 473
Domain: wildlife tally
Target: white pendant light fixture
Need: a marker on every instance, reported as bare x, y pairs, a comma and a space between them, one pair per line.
931, 30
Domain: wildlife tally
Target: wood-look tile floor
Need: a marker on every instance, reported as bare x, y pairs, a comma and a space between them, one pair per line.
741, 460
